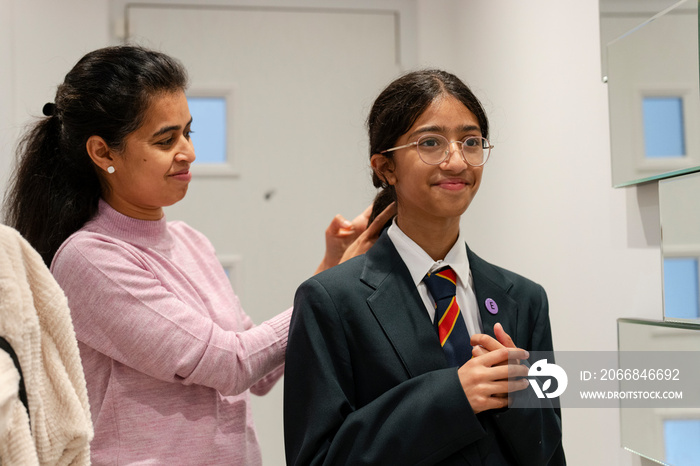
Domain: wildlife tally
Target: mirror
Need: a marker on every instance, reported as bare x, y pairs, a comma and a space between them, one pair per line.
651, 67
664, 434
618, 17
679, 212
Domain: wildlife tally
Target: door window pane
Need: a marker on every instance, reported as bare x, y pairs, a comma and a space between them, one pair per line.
681, 287
682, 441
663, 127
209, 128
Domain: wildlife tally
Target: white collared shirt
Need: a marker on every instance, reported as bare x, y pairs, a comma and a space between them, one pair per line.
419, 263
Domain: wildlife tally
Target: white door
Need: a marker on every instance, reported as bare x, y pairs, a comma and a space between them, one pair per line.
297, 83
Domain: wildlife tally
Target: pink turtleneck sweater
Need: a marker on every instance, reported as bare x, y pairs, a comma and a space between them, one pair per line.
169, 355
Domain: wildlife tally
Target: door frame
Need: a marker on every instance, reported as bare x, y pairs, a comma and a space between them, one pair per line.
405, 14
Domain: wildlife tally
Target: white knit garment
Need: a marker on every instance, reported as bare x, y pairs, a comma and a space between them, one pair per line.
35, 320
9, 385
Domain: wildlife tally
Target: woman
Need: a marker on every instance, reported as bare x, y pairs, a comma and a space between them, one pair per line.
168, 353
373, 373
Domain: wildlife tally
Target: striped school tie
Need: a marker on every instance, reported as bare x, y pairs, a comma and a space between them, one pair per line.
449, 322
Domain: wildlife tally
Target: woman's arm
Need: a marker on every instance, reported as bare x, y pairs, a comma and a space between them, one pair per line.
122, 310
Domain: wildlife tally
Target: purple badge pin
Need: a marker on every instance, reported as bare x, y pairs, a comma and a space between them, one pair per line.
491, 306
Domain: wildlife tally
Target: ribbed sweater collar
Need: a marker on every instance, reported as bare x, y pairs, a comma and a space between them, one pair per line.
144, 233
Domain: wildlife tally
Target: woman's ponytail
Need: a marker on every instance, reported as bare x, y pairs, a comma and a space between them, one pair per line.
49, 197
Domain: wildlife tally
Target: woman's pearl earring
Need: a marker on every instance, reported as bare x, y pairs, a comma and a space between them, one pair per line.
110, 169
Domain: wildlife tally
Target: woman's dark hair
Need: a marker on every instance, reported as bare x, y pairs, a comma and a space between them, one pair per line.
56, 187
398, 107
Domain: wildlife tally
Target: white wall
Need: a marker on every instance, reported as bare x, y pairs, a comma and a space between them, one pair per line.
40, 40
546, 208
6, 87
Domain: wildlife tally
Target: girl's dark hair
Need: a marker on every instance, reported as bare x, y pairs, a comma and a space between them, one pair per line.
56, 187
398, 107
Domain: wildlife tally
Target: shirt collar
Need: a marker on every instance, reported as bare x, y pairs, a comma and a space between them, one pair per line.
418, 261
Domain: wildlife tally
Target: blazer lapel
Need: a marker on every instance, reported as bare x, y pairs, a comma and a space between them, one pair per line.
399, 309
491, 290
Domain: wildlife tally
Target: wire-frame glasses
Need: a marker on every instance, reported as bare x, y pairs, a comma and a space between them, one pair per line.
434, 149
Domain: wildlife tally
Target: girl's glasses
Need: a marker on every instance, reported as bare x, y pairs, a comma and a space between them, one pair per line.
434, 149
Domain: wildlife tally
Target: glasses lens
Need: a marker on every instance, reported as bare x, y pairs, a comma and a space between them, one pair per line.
432, 148
476, 150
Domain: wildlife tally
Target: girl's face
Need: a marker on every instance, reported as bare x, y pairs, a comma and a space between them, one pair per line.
153, 169
427, 194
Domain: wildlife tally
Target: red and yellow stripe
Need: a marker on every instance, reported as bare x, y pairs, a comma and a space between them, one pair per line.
448, 321
448, 274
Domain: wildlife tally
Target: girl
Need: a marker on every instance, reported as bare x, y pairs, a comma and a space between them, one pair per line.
374, 374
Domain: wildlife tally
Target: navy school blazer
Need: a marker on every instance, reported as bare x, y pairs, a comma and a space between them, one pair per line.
366, 380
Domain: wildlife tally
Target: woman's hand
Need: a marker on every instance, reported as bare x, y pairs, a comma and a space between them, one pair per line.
345, 240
